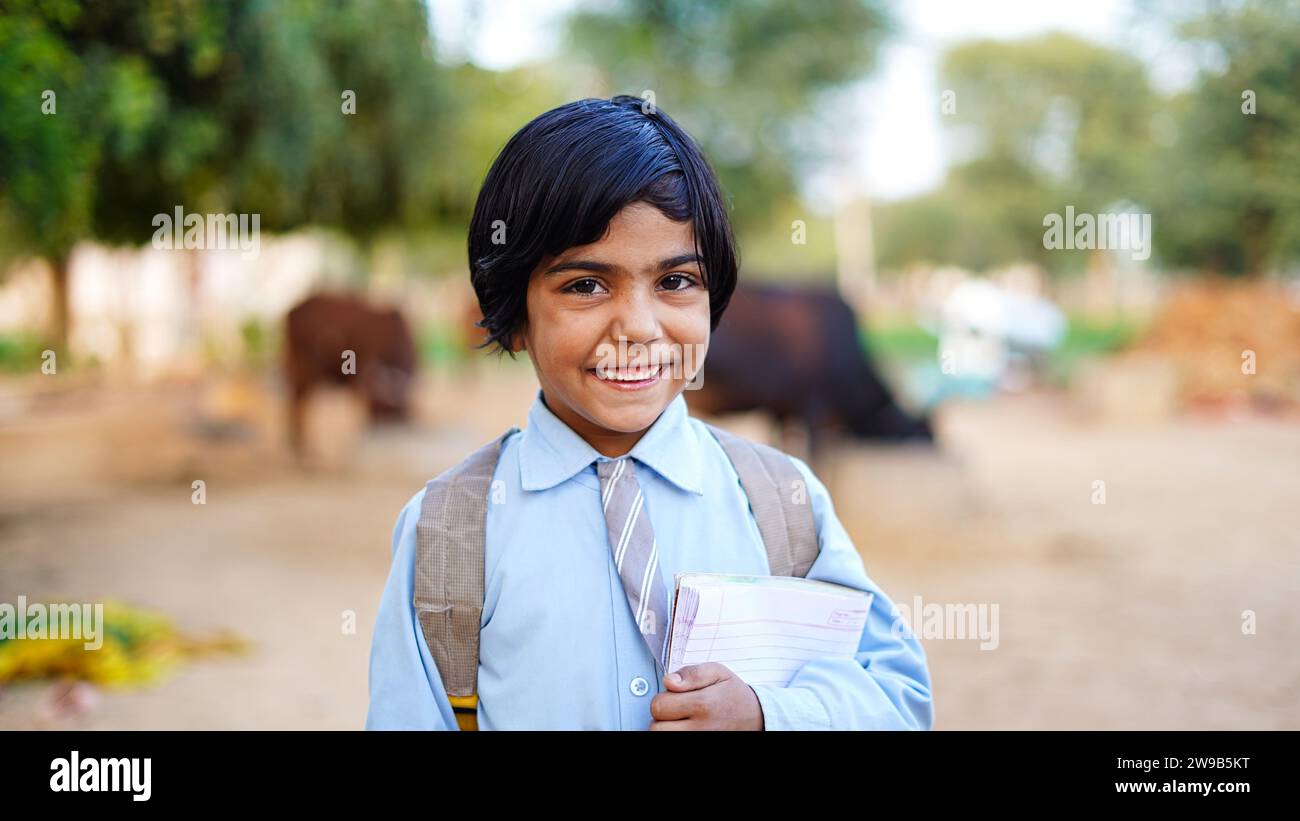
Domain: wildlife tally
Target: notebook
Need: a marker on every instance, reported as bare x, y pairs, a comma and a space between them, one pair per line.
763, 628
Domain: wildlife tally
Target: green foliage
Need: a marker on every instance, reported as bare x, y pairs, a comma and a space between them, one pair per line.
486, 109
1062, 110
897, 341
902, 344
1043, 123
1054, 121
21, 353
1087, 339
237, 107
218, 108
298, 158
441, 345
744, 79
767, 251
1228, 197
46, 159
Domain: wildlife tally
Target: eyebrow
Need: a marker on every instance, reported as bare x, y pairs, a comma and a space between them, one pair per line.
605, 267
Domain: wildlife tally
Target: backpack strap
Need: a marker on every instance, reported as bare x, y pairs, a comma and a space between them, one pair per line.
780, 500
449, 562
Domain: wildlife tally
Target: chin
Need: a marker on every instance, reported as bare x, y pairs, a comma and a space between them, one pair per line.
629, 420
632, 416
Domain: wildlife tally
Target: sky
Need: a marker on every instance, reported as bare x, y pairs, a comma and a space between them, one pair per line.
896, 111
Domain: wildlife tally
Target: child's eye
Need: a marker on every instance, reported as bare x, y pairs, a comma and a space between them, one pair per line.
686, 281
580, 287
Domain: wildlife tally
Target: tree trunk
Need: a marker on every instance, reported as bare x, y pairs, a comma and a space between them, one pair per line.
1257, 225
60, 326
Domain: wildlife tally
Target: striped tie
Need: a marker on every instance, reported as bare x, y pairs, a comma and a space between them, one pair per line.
636, 553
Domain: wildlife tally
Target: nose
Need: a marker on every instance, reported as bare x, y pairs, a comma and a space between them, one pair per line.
635, 318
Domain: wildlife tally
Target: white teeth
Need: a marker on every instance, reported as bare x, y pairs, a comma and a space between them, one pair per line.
628, 376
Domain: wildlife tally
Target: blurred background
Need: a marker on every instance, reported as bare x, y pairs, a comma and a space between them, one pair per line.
1103, 442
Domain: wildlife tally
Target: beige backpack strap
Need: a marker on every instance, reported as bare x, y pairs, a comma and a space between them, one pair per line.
449, 568
780, 499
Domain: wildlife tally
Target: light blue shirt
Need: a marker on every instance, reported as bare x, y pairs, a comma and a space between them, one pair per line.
559, 647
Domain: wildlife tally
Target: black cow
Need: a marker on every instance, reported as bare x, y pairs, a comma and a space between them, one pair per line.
796, 353
318, 332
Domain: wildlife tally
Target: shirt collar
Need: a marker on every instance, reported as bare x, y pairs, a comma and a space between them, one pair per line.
550, 451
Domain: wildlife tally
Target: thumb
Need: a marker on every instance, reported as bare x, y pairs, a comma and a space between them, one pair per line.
695, 676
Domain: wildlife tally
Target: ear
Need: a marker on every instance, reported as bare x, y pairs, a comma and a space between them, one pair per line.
518, 342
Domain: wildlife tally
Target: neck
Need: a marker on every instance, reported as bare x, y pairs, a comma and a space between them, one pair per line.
609, 443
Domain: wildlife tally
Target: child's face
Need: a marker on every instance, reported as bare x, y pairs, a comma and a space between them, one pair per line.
627, 303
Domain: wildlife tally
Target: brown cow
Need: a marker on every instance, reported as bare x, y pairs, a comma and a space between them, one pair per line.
796, 352
318, 333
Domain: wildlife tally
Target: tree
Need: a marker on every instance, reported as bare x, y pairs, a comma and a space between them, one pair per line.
1040, 124
1228, 198
218, 108
748, 80
47, 153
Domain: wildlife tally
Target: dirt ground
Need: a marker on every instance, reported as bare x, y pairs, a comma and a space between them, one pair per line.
1122, 614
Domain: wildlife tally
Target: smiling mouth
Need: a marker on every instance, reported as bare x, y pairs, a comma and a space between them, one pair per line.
627, 377
627, 374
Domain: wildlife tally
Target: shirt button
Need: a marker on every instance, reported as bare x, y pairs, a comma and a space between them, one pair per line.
640, 686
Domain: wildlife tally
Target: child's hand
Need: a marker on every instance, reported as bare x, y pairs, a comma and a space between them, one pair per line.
707, 697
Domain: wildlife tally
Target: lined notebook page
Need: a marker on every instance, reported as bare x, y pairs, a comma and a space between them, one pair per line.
763, 628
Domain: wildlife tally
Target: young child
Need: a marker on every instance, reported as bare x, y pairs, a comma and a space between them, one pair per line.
600, 245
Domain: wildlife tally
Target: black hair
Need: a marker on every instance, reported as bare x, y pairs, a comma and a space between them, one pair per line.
563, 177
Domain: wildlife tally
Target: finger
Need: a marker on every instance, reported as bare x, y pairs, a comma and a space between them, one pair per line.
675, 706
696, 676
674, 726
